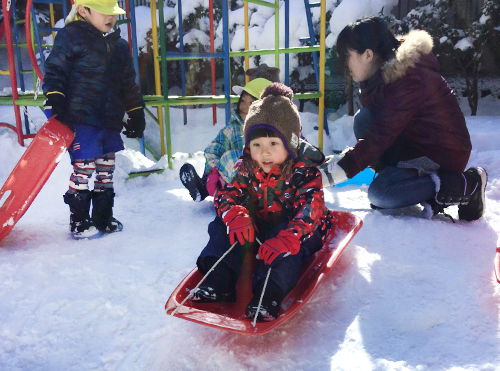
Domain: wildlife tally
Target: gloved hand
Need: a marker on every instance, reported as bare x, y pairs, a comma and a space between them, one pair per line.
275, 249
240, 225
136, 123
55, 104
214, 181
331, 172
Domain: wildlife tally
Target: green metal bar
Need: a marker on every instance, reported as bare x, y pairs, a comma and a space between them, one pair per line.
164, 84
169, 137
152, 116
264, 3
297, 49
242, 53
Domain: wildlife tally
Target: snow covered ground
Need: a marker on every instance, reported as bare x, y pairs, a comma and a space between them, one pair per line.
407, 294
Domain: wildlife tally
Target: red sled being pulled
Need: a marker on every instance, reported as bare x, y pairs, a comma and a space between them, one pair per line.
32, 171
230, 316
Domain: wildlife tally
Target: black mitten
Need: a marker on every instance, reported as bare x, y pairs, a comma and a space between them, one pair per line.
56, 103
135, 125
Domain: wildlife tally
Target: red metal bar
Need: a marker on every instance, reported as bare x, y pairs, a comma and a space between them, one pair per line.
7, 10
129, 29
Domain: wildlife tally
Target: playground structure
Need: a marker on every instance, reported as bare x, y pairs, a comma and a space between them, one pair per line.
161, 101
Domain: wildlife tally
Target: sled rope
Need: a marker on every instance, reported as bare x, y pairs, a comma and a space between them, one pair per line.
254, 322
201, 281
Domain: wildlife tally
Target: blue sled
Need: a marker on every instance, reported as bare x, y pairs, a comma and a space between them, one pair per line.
364, 177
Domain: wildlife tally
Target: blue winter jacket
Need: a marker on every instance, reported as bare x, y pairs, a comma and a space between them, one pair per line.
96, 75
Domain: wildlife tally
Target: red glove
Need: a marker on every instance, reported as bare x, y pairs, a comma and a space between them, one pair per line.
274, 249
239, 224
213, 181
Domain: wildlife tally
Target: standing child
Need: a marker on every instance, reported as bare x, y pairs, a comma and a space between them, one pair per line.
90, 84
410, 128
277, 197
221, 155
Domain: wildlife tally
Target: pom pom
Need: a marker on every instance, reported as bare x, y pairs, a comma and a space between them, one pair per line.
277, 89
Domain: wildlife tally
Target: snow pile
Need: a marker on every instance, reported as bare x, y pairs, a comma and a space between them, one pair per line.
407, 294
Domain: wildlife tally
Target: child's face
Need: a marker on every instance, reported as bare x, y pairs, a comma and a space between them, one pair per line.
246, 101
361, 66
102, 22
267, 152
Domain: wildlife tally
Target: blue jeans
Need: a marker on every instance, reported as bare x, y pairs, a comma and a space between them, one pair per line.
394, 187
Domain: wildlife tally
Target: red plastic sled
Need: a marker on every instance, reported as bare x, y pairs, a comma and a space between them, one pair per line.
230, 316
31, 172
497, 261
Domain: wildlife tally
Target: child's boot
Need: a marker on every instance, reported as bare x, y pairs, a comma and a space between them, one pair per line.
192, 181
271, 302
81, 226
465, 190
102, 211
220, 286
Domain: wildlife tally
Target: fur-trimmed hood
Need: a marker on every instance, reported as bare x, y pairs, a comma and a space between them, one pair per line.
415, 45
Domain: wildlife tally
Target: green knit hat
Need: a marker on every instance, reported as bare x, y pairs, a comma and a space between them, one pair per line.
276, 111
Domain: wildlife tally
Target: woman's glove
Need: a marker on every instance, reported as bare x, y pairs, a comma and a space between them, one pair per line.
275, 249
136, 123
239, 225
331, 172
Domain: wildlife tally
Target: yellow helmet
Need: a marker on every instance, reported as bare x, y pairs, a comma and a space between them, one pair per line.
107, 7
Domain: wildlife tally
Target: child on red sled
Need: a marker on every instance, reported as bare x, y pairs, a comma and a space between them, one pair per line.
275, 198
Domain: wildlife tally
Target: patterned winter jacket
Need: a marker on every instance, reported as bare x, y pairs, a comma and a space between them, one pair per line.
95, 73
226, 148
269, 198
416, 113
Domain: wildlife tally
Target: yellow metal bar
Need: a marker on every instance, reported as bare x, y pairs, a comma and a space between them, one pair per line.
156, 63
52, 21
322, 54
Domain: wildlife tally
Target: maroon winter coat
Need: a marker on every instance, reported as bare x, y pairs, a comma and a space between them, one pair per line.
416, 113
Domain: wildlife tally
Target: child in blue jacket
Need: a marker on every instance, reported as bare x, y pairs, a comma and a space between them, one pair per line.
90, 84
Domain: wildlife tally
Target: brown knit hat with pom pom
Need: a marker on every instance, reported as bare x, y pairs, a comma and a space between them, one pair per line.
275, 111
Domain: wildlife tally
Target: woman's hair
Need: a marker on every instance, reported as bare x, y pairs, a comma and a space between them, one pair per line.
246, 166
366, 33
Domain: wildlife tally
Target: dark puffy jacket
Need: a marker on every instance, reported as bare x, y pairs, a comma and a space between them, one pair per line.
416, 113
95, 73
269, 198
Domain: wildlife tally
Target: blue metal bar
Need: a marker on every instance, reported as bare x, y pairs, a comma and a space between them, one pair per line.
135, 57
38, 38
183, 66
312, 38
287, 42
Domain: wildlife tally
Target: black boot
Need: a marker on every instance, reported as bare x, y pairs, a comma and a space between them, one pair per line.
465, 190
102, 211
81, 226
271, 302
192, 181
220, 285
